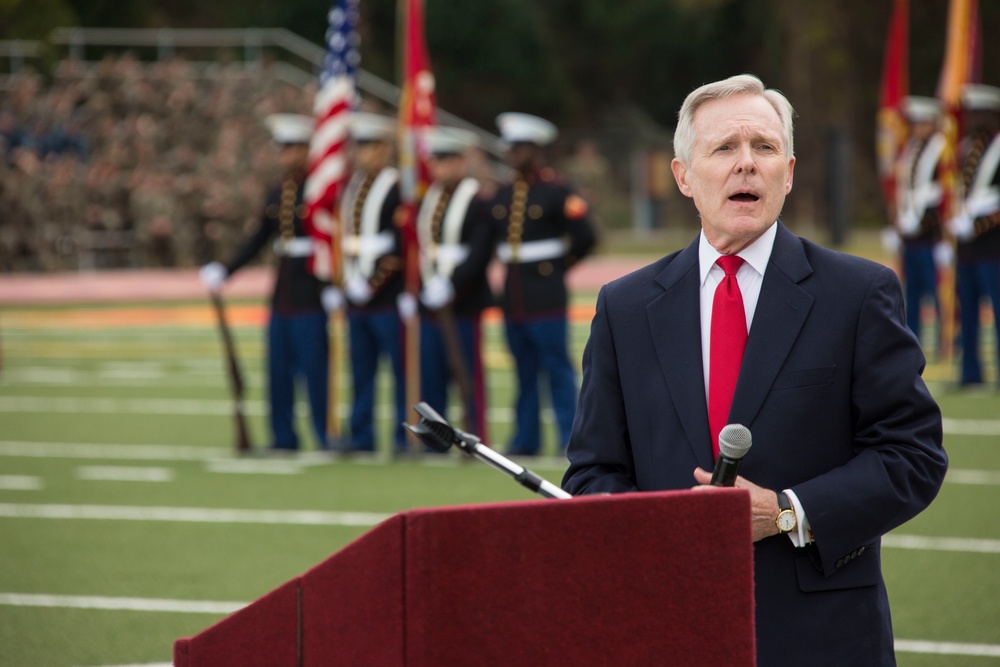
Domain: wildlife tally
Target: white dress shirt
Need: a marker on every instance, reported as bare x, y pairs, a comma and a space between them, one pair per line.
750, 277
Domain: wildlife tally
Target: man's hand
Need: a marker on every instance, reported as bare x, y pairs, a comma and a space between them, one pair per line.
763, 503
332, 298
437, 292
358, 291
213, 275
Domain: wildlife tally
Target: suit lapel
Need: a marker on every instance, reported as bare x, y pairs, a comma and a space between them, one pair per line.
781, 311
676, 329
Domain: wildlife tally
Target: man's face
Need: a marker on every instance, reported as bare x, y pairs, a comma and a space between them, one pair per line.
523, 156
446, 168
739, 173
372, 156
293, 157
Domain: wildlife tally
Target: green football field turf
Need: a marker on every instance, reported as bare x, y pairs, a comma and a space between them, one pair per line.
126, 521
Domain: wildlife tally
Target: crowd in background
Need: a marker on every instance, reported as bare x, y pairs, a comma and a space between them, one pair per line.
125, 163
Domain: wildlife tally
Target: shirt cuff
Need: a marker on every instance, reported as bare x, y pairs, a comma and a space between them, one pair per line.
803, 535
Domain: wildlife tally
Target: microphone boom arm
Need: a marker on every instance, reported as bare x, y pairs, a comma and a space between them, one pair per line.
435, 432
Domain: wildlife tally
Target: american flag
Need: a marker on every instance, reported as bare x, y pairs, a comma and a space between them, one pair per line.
328, 167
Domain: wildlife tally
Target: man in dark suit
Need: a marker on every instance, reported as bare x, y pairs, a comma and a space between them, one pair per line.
847, 436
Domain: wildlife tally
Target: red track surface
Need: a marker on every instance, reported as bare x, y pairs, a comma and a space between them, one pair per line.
183, 284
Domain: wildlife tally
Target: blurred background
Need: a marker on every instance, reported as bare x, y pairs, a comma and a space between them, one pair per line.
132, 131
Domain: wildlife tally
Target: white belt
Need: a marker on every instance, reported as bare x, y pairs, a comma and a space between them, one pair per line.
300, 246
450, 253
532, 251
380, 244
983, 203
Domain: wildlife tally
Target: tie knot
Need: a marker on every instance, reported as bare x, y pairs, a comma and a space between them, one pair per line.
730, 264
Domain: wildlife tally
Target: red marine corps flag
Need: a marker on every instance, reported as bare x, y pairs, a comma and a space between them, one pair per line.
891, 127
417, 110
329, 171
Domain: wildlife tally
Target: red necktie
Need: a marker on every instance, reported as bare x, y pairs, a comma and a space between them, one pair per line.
728, 340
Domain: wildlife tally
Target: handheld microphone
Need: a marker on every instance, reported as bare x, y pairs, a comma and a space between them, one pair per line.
734, 443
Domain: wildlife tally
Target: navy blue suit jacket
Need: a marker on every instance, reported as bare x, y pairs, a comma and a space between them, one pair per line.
831, 389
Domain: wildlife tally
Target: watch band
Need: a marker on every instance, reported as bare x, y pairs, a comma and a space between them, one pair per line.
783, 502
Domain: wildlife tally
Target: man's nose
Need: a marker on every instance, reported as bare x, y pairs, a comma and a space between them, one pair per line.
745, 160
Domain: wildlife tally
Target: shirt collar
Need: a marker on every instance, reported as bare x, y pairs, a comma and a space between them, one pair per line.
757, 254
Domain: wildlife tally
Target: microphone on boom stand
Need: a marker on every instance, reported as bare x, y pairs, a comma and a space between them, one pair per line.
435, 432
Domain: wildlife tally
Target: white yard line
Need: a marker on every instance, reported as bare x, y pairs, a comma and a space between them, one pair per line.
20, 483
116, 603
960, 544
947, 648
125, 474
190, 514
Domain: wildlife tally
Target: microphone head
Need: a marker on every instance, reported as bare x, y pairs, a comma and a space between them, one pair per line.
432, 429
734, 441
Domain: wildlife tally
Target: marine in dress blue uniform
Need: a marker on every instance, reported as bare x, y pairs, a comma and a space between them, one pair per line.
543, 230
456, 245
918, 200
297, 345
373, 276
976, 226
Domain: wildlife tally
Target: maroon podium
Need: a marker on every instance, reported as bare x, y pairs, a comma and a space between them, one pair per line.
633, 579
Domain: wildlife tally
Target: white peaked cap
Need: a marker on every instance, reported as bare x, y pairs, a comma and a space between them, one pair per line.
521, 127
978, 97
372, 127
290, 128
449, 140
922, 109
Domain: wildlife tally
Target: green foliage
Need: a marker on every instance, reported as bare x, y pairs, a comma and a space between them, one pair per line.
33, 19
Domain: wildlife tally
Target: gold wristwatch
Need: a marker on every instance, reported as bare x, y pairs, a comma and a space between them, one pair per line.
785, 521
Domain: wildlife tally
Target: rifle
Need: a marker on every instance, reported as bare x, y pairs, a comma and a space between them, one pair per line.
242, 444
456, 364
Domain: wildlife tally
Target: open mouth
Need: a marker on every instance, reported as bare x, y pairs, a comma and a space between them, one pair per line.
744, 197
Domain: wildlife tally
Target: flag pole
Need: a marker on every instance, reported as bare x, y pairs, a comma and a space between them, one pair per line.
328, 172
416, 112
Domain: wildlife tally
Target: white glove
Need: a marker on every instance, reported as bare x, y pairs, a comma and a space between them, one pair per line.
909, 223
890, 240
358, 291
407, 305
437, 292
332, 298
213, 275
943, 254
962, 226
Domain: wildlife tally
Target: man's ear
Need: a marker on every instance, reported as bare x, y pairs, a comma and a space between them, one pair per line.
680, 175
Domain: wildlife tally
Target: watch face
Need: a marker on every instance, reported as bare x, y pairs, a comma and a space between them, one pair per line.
786, 521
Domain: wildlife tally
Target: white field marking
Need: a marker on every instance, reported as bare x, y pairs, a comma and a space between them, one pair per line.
961, 544
116, 603
20, 483
971, 426
80, 450
144, 664
986, 477
124, 474
947, 648
191, 515
222, 457
254, 467
145, 406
